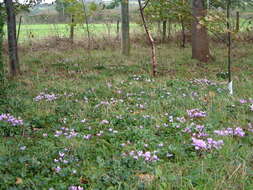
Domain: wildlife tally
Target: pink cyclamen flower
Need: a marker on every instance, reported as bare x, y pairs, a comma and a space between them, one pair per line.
104, 122
242, 101
75, 188
196, 113
199, 144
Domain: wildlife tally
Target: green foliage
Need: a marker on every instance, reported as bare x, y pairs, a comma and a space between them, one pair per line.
84, 84
75, 9
169, 10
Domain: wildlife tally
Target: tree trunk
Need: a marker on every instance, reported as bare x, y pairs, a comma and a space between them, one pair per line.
12, 38
87, 24
72, 28
237, 21
200, 44
151, 40
1, 52
183, 33
164, 30
117, 29
169, 28
125, 37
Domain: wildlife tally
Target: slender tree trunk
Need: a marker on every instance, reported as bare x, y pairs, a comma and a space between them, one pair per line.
118, 29
87, 24
164, 30
12, 38
19, 27
200, 44
183, 33
72, 29
169, 28
1, 52
151, 40
229, 42
237, 21
125, 36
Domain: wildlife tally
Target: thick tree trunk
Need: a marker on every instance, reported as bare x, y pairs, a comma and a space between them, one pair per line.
200, 44
164, 30
125, 37
72, 28
12, 38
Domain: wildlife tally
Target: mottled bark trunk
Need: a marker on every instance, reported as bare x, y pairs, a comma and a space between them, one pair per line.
12, 38
164, 30
125, 36
200, 44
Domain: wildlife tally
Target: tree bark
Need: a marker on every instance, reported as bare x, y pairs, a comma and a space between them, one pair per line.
164, 30
1, 52
125, 36
237, 21
200, 43
151, 40
183, 33
72, 28
12, 38
117, 29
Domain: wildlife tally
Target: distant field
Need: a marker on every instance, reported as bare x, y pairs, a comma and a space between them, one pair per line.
41, 31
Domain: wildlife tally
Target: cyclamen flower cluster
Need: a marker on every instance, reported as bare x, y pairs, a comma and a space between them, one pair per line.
64, 158
47, 97
68, 133
196, 113
11, 120
197, 131
111, 102
230, 131
206, 145
75, 188
243, 101
203, 82
147, 156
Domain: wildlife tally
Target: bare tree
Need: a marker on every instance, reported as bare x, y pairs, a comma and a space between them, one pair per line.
12, 39
150, 38
200, 44
125, 36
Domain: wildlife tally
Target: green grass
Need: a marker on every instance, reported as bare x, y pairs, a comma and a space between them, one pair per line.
35, 32
106, 76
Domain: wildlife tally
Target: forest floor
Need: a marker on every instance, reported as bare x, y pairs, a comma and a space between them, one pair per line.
100, 121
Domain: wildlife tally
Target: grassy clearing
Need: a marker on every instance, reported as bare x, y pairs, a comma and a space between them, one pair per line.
114, 107
35, 32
